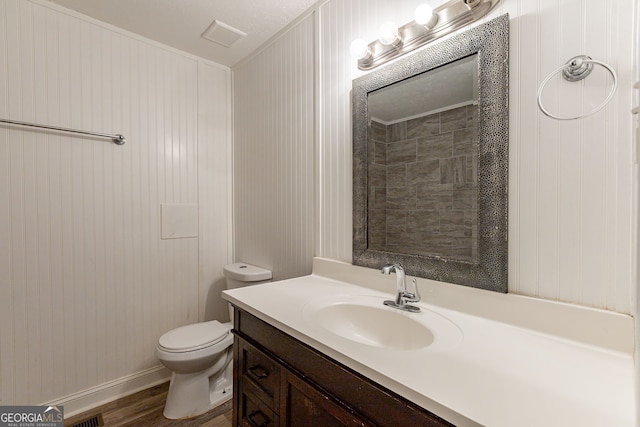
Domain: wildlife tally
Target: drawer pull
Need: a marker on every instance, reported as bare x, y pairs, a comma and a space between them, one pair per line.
259, 419
258, 372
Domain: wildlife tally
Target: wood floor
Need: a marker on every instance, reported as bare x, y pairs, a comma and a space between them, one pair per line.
144, 409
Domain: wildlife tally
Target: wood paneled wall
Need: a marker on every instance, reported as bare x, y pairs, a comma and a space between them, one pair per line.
87, 286
274, 154
571, 218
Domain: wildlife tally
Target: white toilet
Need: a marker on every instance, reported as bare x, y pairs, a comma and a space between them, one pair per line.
200, 355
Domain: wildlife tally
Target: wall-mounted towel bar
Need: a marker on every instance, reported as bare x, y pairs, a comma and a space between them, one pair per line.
576, 69
117, 138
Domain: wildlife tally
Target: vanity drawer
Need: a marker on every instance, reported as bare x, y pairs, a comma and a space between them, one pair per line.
260, 374
254, 413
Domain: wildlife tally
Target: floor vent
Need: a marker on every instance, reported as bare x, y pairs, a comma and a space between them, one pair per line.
95, 421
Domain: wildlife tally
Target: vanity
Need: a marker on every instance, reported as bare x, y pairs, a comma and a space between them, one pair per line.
493, 359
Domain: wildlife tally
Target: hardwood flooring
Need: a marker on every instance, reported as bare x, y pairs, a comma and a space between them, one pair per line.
144, 409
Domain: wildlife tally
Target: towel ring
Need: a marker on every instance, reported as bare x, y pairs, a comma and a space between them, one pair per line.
576, 69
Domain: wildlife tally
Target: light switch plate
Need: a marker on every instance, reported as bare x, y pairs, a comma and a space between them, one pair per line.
178, 221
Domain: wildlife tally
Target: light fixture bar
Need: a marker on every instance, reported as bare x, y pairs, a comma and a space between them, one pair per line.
450, 16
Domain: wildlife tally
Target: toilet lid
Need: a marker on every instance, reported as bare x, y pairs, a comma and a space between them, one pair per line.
193, 337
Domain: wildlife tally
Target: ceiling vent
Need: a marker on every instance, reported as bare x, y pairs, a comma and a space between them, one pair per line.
222, 34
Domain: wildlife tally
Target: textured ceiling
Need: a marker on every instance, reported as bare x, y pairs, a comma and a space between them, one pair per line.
179, 23
454, 84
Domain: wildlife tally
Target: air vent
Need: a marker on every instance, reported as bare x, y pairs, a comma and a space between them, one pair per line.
95, 421
222, 34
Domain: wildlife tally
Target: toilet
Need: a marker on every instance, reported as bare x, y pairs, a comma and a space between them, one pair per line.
200, 355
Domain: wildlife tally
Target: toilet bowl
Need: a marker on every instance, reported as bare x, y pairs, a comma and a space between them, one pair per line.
196, 354
200, 355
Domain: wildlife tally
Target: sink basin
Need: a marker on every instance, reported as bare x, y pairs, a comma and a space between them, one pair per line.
365, 320
374, 326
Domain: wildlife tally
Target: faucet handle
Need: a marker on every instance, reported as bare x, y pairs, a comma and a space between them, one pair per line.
415, 296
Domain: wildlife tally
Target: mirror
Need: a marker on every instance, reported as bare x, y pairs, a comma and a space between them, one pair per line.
430, 161
422, 174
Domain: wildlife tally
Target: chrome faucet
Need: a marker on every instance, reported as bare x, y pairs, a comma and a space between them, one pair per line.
403, 296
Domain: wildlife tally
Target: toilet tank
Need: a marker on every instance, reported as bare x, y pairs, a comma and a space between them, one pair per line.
242, 274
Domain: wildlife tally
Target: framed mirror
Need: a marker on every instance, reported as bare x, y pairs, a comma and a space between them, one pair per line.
430, 157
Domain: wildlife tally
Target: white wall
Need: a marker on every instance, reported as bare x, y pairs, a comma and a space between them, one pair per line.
274, 209
214, 167
571, 217
87, 284
636, 103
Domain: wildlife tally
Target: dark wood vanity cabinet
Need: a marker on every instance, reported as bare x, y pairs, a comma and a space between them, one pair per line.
280, 381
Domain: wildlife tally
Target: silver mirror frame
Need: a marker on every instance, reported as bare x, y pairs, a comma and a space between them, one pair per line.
491, 42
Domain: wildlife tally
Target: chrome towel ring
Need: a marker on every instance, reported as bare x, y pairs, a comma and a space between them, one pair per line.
576, 69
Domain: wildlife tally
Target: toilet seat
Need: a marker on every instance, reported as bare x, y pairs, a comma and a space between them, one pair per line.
193, 337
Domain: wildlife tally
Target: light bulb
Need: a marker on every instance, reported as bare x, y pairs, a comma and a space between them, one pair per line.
424, 15
359, 49
388, 33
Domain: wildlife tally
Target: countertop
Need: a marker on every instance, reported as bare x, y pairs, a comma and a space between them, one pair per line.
499, 373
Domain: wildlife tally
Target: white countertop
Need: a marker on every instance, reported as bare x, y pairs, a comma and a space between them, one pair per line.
498, 374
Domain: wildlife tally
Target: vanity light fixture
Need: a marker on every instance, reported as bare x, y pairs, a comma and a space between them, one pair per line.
425, 16
429, 24
388, 34
360, 49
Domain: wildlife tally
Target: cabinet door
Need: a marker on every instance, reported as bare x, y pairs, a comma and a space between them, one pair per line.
303, 405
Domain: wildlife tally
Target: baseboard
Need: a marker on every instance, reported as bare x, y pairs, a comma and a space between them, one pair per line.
85, 400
